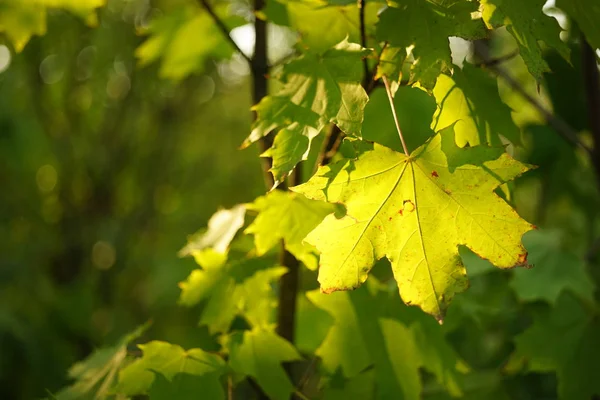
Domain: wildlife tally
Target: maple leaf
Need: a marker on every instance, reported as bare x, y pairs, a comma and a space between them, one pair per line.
416, 211
95, 376
287, 216
168, 360
526, 22
319, 88
427, 25
259, 353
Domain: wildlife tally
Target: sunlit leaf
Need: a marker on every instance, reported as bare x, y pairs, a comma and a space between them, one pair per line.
427, 25
416, 211
96, 375
318, 88
168, 360
222, 227
259, 353
289, 217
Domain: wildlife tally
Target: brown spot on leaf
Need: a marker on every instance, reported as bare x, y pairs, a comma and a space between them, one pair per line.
534, 227
522, 259
400, 212
409, 205
434, 174
390, 218
447, 191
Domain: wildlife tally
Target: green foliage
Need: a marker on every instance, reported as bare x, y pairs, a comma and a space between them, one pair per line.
174, 39
528, 25
415, 211
563, 339
277, 219
469, 100
20, 20
96, 375
426, 25
318, 89
408, 203
259, 353
164, 361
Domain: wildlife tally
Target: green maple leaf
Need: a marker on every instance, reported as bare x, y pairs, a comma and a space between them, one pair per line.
289, 217
96, 375
416, 211
167, 360
228, 291
526, 22
555, 270
174, 39
364, 337
427, 25
259, 354
470, 100
20, 20
319, 88
587, 14
564, 339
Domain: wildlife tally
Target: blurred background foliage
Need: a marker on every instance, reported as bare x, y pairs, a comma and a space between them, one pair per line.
106, 167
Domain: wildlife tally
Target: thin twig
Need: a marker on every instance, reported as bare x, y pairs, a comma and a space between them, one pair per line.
221, 25
557, 123
388, 90
363, 40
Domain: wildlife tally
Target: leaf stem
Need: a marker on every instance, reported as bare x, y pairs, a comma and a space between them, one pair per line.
388, 90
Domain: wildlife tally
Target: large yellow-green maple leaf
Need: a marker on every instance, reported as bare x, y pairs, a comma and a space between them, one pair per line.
416, 211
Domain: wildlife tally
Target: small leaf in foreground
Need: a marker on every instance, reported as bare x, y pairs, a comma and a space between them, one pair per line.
416, 211
167, 360
259, 353
288, 216
96, 375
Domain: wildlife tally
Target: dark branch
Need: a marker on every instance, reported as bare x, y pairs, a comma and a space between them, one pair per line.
363, 41
221, 25
592, 93
557, 123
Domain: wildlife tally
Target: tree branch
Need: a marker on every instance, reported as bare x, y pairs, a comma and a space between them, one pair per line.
363, 41
592, 93
557, 123
223, 28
